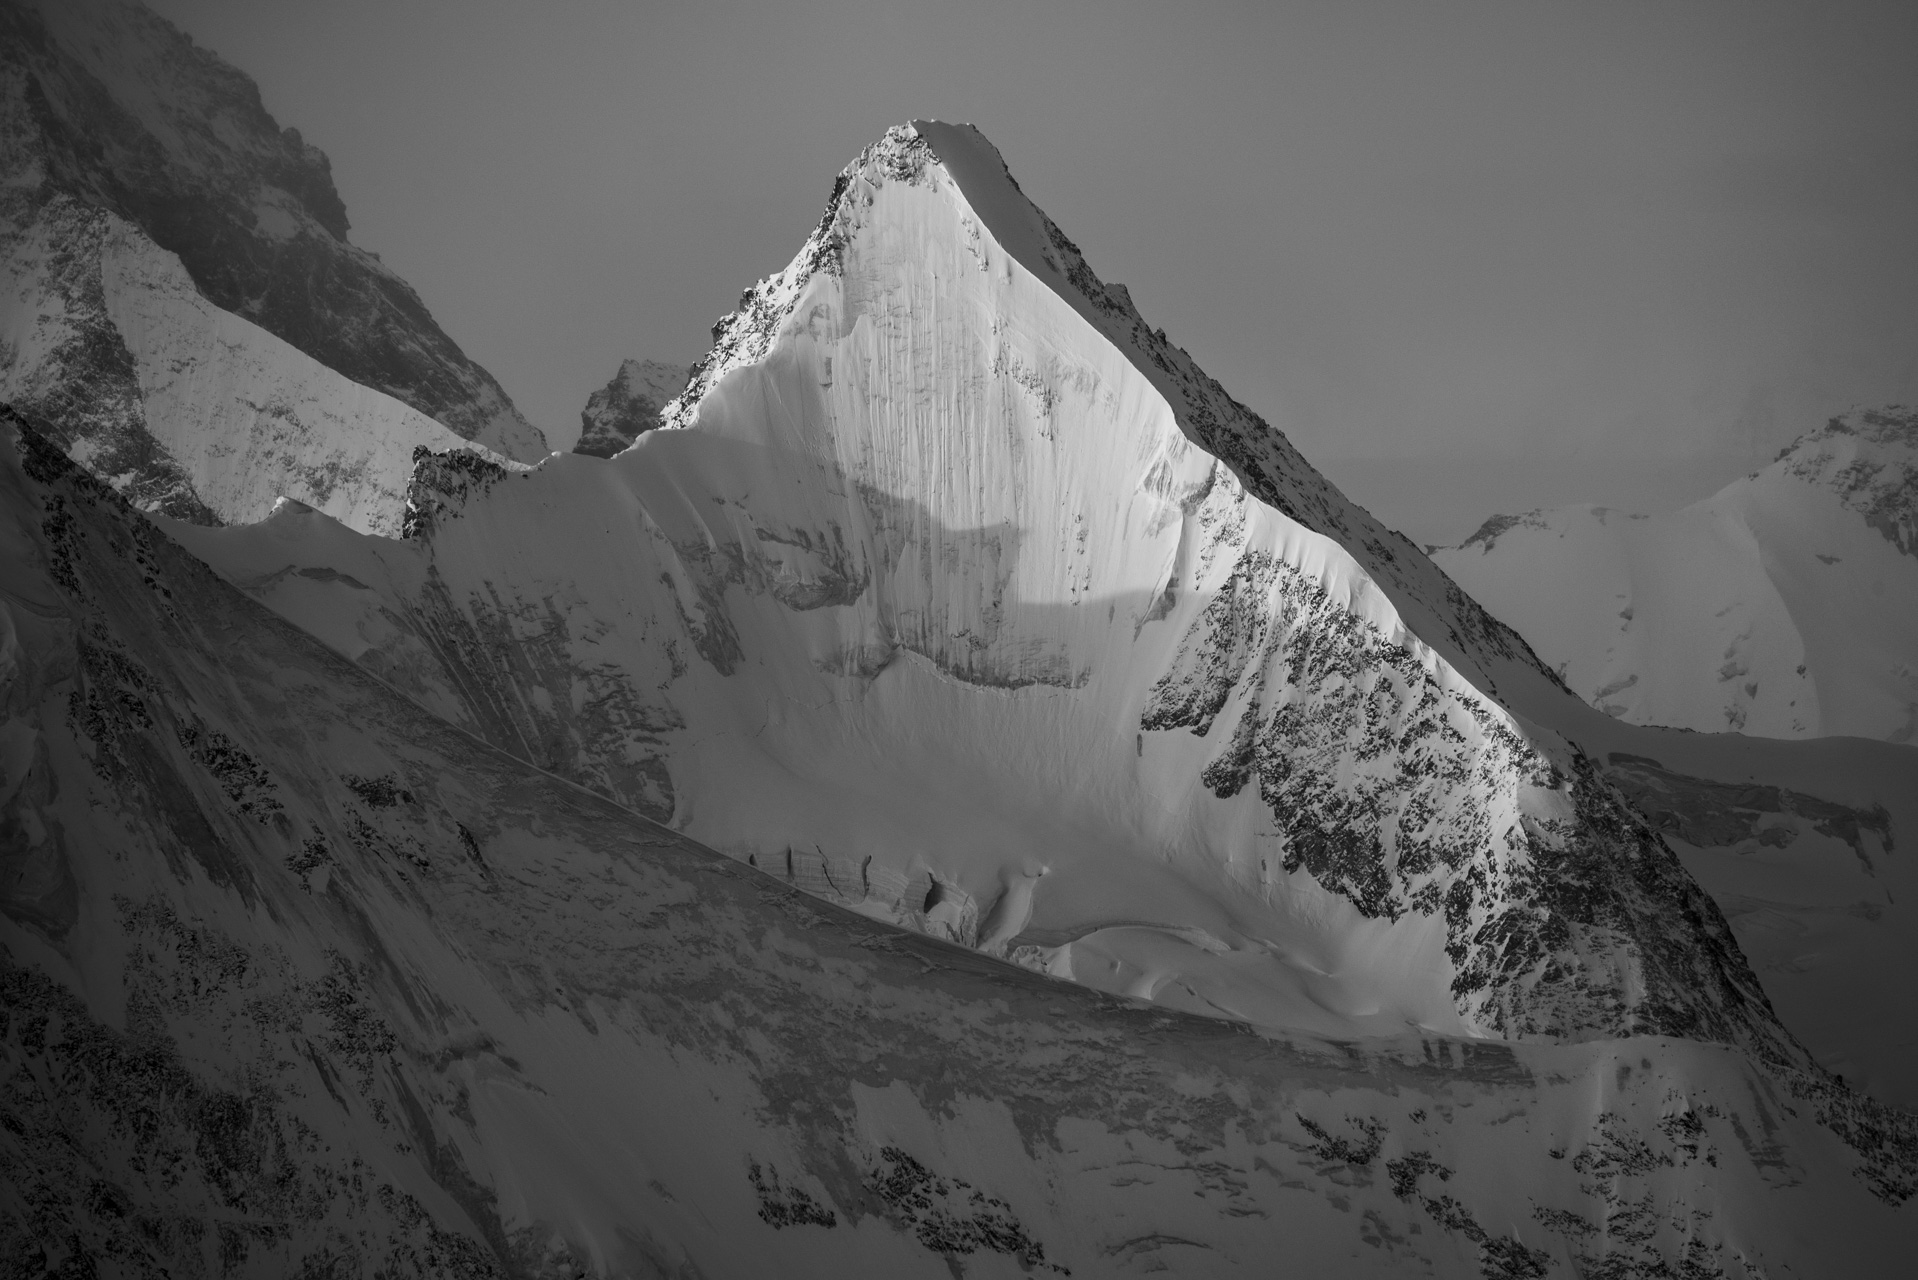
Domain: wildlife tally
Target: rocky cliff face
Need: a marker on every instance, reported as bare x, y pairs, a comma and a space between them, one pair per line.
1786, 604
628, 406
189, 410
113, 124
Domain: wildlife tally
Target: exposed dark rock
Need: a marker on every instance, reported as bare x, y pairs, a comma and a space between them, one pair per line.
441, 484
197, 163
782, 1206
1879, 478
950, 1215
1715, 814
1398, 793
628, 406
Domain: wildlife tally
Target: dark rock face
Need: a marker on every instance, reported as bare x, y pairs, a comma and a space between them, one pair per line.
627, 407
1867, 458
1391, 790
441, 484
88, 387
109, 104
1716, 814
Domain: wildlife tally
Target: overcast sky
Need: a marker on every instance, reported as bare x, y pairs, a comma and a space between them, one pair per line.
1548, 242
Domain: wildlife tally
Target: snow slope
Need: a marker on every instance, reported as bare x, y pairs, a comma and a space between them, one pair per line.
190, 410
943, 605
107, 103
1785, 605
300, 978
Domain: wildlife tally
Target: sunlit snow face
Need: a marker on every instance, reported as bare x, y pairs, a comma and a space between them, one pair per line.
899, 609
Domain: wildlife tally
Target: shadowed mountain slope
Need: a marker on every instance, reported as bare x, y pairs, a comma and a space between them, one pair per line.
166, 248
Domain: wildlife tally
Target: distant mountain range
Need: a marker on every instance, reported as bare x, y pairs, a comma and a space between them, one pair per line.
1784, 605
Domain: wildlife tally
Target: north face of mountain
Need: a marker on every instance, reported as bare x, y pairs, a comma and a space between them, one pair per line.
619, 412
1784, 605
106, 104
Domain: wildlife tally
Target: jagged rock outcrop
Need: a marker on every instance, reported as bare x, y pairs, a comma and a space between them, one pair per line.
1785, 605
628, 406
152, 212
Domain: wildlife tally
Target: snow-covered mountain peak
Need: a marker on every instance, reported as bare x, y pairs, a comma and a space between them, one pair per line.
982, 212
965, 601
1786, 604
963, 597
1869, 458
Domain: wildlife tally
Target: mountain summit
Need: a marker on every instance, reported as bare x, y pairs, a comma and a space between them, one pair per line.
963, 597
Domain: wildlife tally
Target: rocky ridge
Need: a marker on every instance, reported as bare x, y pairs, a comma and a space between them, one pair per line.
1259, 457
111, 118
628, 406
1869, 458
191, 411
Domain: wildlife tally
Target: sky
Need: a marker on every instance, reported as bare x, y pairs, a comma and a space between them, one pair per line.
1469, 256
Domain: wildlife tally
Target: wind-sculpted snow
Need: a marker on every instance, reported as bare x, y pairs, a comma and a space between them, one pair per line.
105, 103
433, 1011
1786, 604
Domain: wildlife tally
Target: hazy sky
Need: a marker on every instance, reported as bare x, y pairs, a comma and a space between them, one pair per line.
1545, 240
